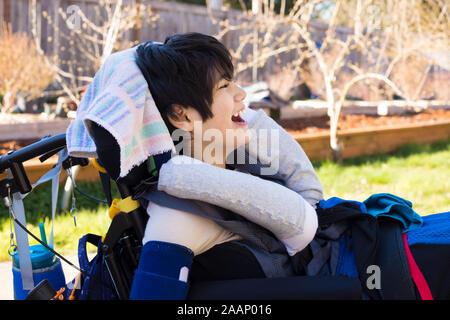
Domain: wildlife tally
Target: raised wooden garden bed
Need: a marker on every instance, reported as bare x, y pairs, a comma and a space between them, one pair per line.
30, 126
357, 142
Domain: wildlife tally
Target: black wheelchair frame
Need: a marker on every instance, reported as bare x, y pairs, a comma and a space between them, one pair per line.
126, 229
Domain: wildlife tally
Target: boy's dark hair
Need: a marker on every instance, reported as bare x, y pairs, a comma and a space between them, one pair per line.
184, 71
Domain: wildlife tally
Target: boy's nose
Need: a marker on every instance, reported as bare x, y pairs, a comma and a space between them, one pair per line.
240, 94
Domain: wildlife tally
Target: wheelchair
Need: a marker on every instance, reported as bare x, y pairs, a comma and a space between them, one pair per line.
122, 244
123, 241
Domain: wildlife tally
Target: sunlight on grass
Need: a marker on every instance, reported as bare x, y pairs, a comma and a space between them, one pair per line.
420, 174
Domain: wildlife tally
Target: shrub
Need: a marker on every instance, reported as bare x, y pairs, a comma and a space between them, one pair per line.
22, 68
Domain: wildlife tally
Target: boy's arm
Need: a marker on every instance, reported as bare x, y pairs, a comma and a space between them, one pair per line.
271, 144
269, 204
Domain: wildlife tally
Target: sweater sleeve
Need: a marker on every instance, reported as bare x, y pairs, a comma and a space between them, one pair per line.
271, 144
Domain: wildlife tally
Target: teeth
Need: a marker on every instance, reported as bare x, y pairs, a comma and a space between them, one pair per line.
239, 113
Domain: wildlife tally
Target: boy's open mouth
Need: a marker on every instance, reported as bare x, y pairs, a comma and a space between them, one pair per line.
236, 118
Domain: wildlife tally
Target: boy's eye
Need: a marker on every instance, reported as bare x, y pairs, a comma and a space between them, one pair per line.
224, 85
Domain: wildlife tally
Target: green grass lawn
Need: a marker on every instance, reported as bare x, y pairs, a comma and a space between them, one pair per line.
91, 217
418, 173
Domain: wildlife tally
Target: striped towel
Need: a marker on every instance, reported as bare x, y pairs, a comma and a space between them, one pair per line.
118, 99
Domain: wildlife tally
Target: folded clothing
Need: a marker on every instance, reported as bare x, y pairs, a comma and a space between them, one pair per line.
384, 205
392, 206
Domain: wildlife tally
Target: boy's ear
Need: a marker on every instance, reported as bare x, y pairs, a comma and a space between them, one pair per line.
179, 118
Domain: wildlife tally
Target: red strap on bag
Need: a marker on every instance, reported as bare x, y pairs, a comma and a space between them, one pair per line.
416, 274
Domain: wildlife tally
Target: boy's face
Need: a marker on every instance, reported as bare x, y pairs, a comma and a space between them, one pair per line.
226, 129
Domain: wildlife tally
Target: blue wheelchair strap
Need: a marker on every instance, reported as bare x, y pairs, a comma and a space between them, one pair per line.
162, 272
83, 259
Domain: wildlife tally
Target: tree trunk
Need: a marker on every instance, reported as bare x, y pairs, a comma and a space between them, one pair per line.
336, 149
8, 101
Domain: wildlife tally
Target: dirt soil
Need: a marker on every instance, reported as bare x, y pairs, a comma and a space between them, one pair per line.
352, 121
320, 124
6, 146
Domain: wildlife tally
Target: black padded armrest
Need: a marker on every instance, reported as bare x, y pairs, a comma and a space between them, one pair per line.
289, 288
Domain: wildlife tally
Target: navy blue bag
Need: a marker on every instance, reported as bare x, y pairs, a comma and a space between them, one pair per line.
91, 288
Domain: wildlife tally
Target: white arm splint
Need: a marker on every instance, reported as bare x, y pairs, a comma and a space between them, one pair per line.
273, 146
282, 211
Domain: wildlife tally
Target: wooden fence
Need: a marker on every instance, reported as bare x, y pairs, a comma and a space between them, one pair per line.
173, 18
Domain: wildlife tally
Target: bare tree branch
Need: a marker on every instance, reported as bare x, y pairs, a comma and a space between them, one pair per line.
97, 38
382, 35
